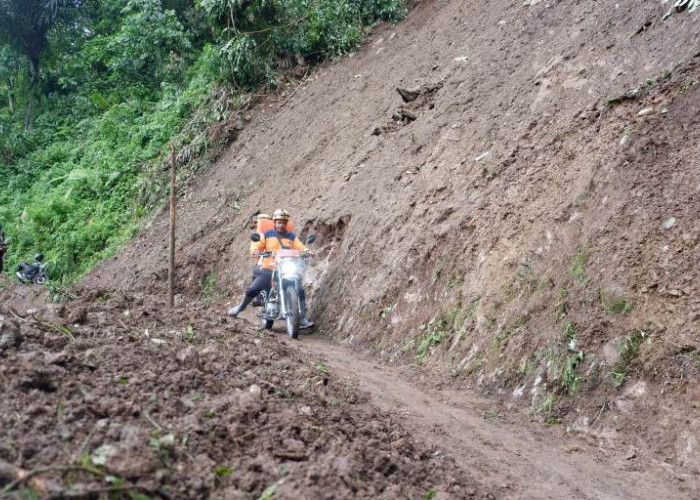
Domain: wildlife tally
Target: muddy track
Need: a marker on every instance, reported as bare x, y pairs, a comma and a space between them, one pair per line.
515, 458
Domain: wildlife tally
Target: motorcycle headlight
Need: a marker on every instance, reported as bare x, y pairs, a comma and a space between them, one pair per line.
289, 268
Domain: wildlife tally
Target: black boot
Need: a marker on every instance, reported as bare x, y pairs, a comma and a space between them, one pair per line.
235, 311
304, 321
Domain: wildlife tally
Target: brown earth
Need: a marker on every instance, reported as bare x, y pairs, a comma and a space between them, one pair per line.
114, 394
524, 228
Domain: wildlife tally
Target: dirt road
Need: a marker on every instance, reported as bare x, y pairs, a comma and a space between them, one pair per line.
517, 459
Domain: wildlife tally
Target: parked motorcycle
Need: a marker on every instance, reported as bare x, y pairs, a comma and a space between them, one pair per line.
282, 300
32, 273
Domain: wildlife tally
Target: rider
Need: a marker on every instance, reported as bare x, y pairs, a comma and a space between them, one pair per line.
273, 240
3, 247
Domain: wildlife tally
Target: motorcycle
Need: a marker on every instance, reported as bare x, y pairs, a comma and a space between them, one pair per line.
282, 300
32, 273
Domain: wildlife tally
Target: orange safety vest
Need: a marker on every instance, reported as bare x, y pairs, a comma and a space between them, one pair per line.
265, 225
272, 241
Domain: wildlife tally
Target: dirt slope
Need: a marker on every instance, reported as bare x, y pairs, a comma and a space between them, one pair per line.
532, 231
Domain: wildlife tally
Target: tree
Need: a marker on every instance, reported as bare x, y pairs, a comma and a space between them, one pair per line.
24, 25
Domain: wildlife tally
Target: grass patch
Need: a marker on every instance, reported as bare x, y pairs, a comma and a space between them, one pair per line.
629, 352
614, 305
546, 405
578, 267
211, 291
497, 343
491, 414
322, 368
433, 335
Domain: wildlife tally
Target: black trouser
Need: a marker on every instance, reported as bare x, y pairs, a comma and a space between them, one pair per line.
2, 257
263, 281
256, 272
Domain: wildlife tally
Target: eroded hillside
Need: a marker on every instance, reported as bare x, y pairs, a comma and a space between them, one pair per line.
525, 224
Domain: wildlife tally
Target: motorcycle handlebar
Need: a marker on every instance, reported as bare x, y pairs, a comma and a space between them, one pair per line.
270, 253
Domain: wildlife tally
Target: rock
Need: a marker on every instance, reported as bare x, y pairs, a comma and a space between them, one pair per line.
408, 115
91, 359
102, 454
188, 357
10, 335
77, 316
342, 466
668, 223
625, 403
255, 390
636, 391
131, 458
59, 358
612, 351
409, 95
645, 111
293, 445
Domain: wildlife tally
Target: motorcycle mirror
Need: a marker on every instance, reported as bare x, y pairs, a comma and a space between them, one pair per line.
310, 239
255, 237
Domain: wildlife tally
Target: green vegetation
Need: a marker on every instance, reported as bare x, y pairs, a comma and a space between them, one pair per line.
430, 495
387, 310
578, 267
322, 368
614, 305
433, 335
188, 334
211, 290
87, 115
570, 380
546, 405
505, 332
629, 352
491, 414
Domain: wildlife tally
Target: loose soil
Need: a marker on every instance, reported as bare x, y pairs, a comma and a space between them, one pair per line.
118, 395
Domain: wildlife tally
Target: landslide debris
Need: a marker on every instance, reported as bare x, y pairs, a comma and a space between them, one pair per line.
131, 398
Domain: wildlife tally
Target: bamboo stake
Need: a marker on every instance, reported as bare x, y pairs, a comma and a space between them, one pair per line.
171, 267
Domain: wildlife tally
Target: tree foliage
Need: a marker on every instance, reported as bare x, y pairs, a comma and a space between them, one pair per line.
25, 23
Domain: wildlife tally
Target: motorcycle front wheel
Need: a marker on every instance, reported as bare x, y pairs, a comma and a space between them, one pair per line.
292, 304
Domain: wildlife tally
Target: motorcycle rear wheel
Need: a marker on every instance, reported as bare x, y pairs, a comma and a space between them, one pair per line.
293, 317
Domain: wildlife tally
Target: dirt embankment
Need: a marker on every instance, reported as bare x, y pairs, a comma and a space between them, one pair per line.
118, 395
525, 224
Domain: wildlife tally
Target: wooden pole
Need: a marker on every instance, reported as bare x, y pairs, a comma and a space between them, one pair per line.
171, 264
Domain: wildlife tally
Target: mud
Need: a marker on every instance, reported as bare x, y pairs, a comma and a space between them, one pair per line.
118, 395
